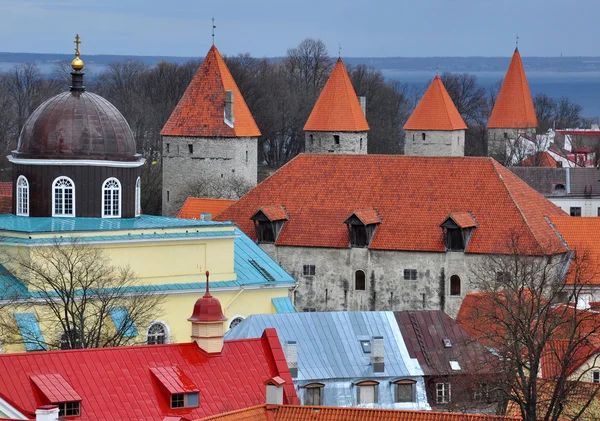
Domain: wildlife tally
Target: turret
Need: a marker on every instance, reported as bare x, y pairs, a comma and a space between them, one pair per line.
207, 322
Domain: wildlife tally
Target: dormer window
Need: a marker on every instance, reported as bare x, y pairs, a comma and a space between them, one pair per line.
177, 386
56, 390
184, 400
268, 222
69, 409
458, 228
361, 227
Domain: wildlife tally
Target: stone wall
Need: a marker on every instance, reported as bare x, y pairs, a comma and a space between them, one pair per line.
497, 141
325, 142
189, 159
436, 143
333, 285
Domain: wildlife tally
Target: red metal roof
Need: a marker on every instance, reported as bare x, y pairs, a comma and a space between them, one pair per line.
413, 195
195, 206
173, 379
435, 111
55, 388
200, 111
337, 109
119, 384
514, 106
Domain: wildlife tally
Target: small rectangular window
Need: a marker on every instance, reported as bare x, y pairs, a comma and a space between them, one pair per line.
68, 409
167, 147
598, 211
596, 376
405, 391
575, 211
367, 394
308, 270
442, 393
313, 395
184, 400
336, 139
167, 195
366, 346
191, 148
410, 274
423, 135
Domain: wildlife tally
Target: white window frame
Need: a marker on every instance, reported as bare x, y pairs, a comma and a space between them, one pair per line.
440, 393
138, 197
22, 193
54, 183
165, 326
120, 197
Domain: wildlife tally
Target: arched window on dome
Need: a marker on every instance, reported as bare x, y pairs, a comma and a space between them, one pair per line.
111, 198
157, 334
138, 197
63, 197
22, 196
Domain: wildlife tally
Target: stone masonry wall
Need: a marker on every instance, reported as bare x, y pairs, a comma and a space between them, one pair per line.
497, 139
210, 158
324, 142
436, 143
333, 287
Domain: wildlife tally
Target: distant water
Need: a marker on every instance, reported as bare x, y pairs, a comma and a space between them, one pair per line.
580, 87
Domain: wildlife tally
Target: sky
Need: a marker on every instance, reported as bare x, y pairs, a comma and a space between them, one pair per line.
366, 28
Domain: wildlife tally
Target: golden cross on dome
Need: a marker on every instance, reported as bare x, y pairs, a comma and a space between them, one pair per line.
77, 42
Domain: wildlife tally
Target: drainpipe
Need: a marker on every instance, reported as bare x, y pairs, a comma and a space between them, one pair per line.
232, 300
568, 180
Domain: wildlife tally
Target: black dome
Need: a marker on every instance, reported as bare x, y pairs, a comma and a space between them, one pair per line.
77, 125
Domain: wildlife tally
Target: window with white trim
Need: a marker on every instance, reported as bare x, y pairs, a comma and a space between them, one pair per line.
442, 392
138, 197
157, 334
236, 321
111, 198
22, 196
63, 197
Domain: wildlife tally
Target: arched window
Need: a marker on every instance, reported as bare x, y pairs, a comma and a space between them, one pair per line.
454, 285
405, 391
63, 197
359, 280
236, 321
157, 334
111, 198
313, 394
138, 197
22, 196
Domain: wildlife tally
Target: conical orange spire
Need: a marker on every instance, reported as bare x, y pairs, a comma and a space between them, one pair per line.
337, 109
435, 111
200, 109
514, 106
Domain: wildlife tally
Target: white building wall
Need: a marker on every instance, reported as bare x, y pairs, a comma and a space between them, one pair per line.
436, 143
589, 206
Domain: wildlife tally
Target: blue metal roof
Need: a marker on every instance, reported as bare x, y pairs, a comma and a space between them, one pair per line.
122, 320
30, 331
283, 305
9, 222
329, 343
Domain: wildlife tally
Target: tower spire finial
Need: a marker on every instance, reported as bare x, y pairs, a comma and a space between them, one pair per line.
517, 43
339, 50
437, 68
77, 63
213, 30
207, 288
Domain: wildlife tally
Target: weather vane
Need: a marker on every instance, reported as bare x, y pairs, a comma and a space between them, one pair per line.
437, 68
339, 50
517, 41
213, 29
77, 42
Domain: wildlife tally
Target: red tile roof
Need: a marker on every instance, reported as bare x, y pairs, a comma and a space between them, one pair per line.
463, 219
337, 109
367, 216
327, 413
200, 111
274, 212
5, 204
514, 106
6, 188
119, 383
413, 195
540, 159
435, 111
195, 206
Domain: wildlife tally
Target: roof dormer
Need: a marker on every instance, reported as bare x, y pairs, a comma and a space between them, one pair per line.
57, 391
268, 222
457, 229
361, 227
181, 391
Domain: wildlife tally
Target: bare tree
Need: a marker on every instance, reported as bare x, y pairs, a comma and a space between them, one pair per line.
81, 299
545, 108
216, 188
526, 314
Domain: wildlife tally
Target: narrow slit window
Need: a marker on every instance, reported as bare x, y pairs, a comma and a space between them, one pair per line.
359, 280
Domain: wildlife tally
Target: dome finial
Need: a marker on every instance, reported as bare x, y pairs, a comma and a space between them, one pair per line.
77, 63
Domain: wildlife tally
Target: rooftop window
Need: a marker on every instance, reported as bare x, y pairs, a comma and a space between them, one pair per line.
362, 225
457, 230
184, 400
69, 409
366, 346
268, 223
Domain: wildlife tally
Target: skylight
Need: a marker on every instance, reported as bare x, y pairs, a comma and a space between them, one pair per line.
366, 346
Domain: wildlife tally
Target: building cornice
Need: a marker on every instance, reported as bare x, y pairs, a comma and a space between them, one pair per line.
77, 162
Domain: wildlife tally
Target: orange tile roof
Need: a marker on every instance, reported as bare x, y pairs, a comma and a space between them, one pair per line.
367, 216
463, 219
435, 111
195, 206
413, 195
514, 106
200, 109
274, 212
581, 235
337, 109
328, 413
540, 159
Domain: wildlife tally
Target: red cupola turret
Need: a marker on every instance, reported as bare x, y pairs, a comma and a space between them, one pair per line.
207, 322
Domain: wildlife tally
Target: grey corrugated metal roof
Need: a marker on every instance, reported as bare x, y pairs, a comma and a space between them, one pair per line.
329, 343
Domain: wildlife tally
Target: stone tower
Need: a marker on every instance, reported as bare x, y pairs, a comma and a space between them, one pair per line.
337, 123
211, 136
513, 115
435, 128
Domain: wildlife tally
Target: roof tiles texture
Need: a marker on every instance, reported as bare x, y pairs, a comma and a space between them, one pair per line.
413, 196
118, 384
337, 109
540, 159
195, 206
367, 216
200, 111
274, 212
514, 106
435, 111
463, 219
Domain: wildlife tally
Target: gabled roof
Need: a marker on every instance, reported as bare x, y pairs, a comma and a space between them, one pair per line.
337, 109
272, 212
412, 195
366, 216
514, 106
540, 159
120, 383
424, 332
195, 206
435, 111
462, 219
200, 111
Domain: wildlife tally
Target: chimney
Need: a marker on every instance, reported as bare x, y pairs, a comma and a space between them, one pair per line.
275, 390
47, 413
291, 356
229, 107
363, 104
377, 357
